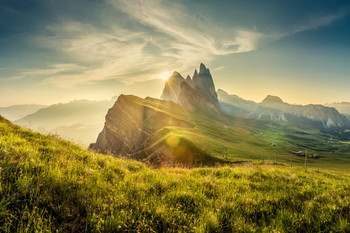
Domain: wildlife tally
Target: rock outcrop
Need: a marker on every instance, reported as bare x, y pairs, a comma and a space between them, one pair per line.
172, 87
191, 93
203, 82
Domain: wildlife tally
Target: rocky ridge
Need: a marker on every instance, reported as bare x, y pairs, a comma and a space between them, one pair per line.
274, 108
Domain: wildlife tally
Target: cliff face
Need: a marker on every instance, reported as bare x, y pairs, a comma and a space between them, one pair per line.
129, 123
192, 98
172, 88
143, 129
203, 81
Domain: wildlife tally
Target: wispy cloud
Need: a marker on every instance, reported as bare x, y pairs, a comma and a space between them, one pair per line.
50, 70
218, 68
317, 22
186, 29
162, 41
310, 23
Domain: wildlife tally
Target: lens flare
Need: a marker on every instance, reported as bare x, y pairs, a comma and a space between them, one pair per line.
172, 141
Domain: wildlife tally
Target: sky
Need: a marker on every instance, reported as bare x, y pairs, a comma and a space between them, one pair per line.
59, 50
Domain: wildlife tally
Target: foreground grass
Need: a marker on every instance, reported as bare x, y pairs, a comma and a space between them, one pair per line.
49, 184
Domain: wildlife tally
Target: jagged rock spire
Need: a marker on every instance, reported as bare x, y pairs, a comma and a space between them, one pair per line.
201, 85
203, 69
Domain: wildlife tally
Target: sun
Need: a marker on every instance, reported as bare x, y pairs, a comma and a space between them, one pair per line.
164, 75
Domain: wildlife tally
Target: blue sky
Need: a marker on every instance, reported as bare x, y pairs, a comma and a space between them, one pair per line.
55, 51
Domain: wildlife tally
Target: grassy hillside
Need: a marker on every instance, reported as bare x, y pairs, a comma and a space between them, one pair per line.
49, 184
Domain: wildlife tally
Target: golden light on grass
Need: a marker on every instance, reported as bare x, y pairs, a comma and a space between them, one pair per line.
172, 141
164, 75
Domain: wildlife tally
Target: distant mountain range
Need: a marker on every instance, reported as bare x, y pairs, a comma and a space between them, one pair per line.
16, 112
343, 108
79, 120
273, 108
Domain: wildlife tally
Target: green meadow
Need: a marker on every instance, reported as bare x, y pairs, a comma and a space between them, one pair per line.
49, 184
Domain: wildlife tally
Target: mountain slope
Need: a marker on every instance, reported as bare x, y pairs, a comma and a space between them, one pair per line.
16, 112
49, 185
343, 107
133, 128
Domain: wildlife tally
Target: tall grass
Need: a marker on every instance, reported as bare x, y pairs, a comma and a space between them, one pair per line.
48, 184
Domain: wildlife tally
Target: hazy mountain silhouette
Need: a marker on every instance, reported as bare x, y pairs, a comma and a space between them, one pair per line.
273, 108
79, 120
342, 107
16, 112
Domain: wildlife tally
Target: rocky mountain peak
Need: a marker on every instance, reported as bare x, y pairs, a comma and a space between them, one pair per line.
176, 74
222, 92
274, 108
270, 99
201, 86
203, 69
195, 74
171, 89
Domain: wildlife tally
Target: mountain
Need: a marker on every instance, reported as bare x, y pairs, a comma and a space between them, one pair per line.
143, 128
191, 93
16, 112
203, 82
343, 107
137, 128
51, 185
235, 105
274, 108
172, 87
79, 120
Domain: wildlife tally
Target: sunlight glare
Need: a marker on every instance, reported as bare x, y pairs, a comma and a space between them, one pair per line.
164, 75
